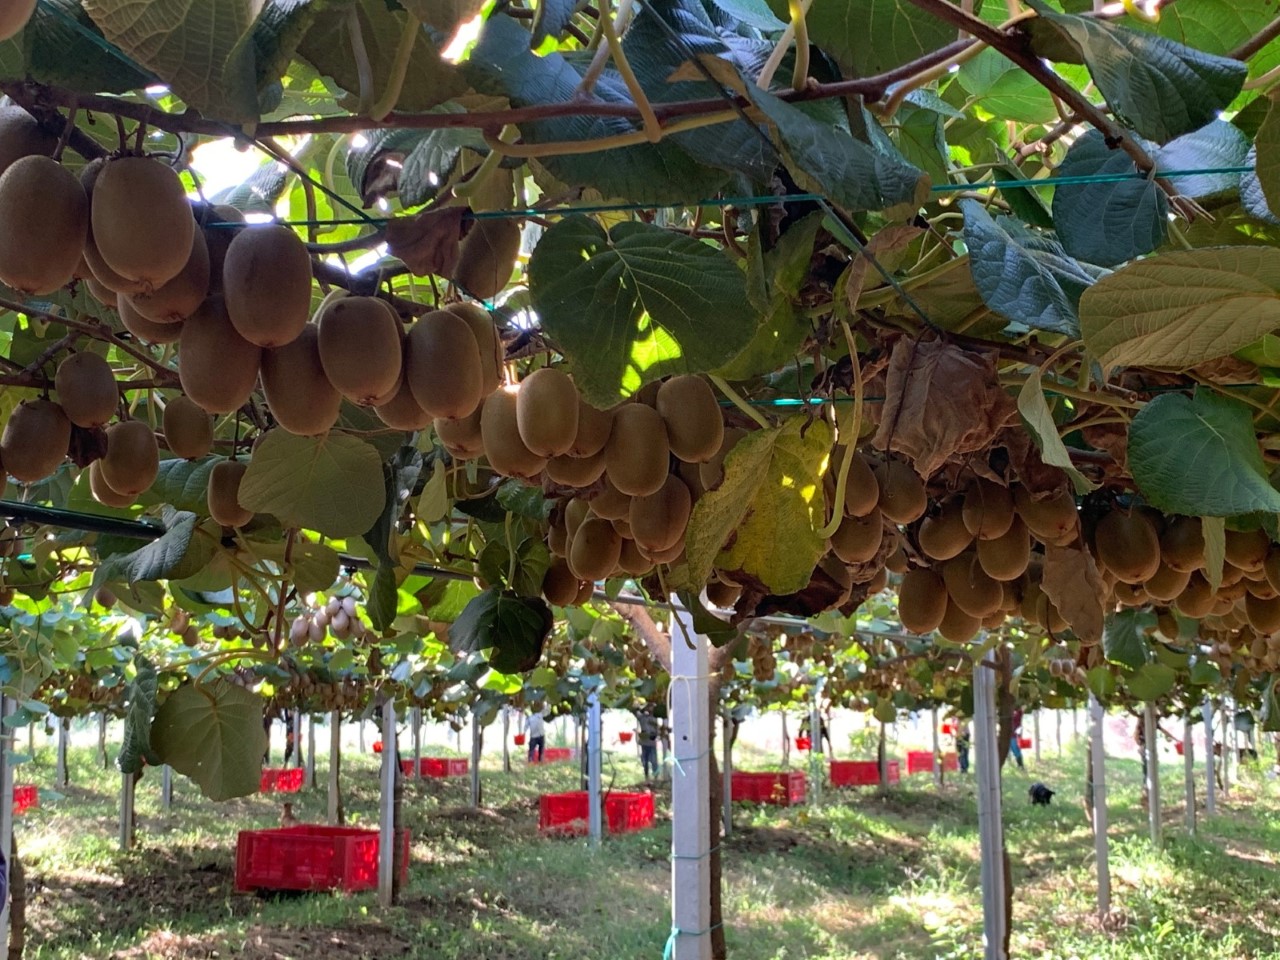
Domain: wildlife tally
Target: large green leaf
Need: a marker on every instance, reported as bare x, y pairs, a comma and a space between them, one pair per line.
1267, 156
428, 81
1183, 308
1107, 223
332, 484
637, 303
157, 560
872, 36
511, 628
1216, 145
217, 55
1022, 274
1006, 90
764, 518
61, 45
1038, 420
1160, 88
1152, 681
1124, 640
1218, 26
183, 484
1198, 456
213, 734
140, 707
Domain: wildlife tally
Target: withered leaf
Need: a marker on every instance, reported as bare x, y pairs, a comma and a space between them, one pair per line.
1072, 583
428, 242
941, 401
893, 239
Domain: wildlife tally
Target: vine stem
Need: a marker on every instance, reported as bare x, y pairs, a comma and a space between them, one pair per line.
779, 51
360, 53
723, 386
399, 70
472, 185
851, 442
652, 126
97, 331
800, 75
574, 147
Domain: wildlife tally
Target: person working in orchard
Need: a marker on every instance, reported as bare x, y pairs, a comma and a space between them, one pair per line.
535, 725
647, 737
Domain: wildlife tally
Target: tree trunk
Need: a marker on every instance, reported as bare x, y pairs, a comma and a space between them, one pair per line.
102, 741
17, 902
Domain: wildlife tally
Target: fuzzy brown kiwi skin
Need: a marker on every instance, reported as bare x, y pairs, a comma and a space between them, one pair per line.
142, 223
1128, 545
266, 281
132, 460
298, 392
217, 367
487, 257
576, 471
188, 430
35, 440
695, 423
559, 585
988, 510
223, 495
902, 492
861, 491
638, 453
659, 520
443, 365
488, 342
402, 412
361, 348
101, 490
182, 295
503, 447
594, 427
858, 539
595, 550
86, 389
148, 331
547, 412
43, 225
922, 600
944, 535
22, 136
463, 438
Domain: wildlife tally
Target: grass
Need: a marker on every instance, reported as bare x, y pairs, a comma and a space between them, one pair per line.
859, 875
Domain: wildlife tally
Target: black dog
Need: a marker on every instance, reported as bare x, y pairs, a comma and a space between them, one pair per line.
1040, 795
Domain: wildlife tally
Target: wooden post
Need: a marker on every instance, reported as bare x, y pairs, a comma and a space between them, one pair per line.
1189, 773
595, 821
311, 750
102, 741
937, 748
126, 811
726, 725
476, 740
387, 807
166, 788
990, 824
690, 795
1153, 771
1210, 782
64, 733
335, 768
1098, 754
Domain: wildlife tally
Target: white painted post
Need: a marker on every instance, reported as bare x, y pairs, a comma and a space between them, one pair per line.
1057, 720
990, 825
1098, 752
883, 754
815, 744
726, 745
311, 750
297, 737
690, 795
477, 735
1210, 783
506, 733
335, 762
1035, 731
166, 788
387, 806
417, 741
1227, 750
1153, 771
360, 734
64, 732
126, 811
595, 820
1075, 723
1189, 773
7, 707
937, 748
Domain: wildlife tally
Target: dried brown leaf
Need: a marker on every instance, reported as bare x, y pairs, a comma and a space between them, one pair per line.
1072, 583
428, 242
891, 240
941, 401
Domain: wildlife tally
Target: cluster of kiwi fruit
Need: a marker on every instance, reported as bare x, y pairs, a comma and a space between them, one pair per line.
72, 693
339, 617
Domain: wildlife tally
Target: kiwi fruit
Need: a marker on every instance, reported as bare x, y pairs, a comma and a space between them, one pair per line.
1127, 544
92, 258
1182, 544
671, 555
658, 520
858, 539
1129, 594
402, 411
631, 561
559, 586
958, 626
266, 281
558, 539
576, 471
132, 460
922, 600
1247, 549
638, 454
14, 15
547, 412
594, 550
1006, 557
695, 423
500, 435
723, 595
298, 392
624, 528
188, 429
944, 535
488, 342
712, 472
970, 587
902, 493
101, 490
21, 135
1166, 583
487, 257
1263, 615
100, 293
44, 220
1271, 568
896, 561
1196, 600
611, 503
594, 427
1051, 520
217, 367
86, 388
575, 512
224, 493
35, 440
463, 438
142, 223
148, 331
361, 349
443, 366
179, 298
988, 510
219, 239
861, 491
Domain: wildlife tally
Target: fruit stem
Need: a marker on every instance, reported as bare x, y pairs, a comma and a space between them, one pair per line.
775, 58
849, 436
491, 162
364, 69
399, 69
733, 395
800, 74
652, 126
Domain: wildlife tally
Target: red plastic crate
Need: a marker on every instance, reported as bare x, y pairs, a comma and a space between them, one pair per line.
948, 729
288, 780
567, 813
555, 754
862, 773
311, 857
782, 787
444, 767
919, 761
624, 736
803, 743
950, 762
519, 739
25, 797
1024, 743
1177, 745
